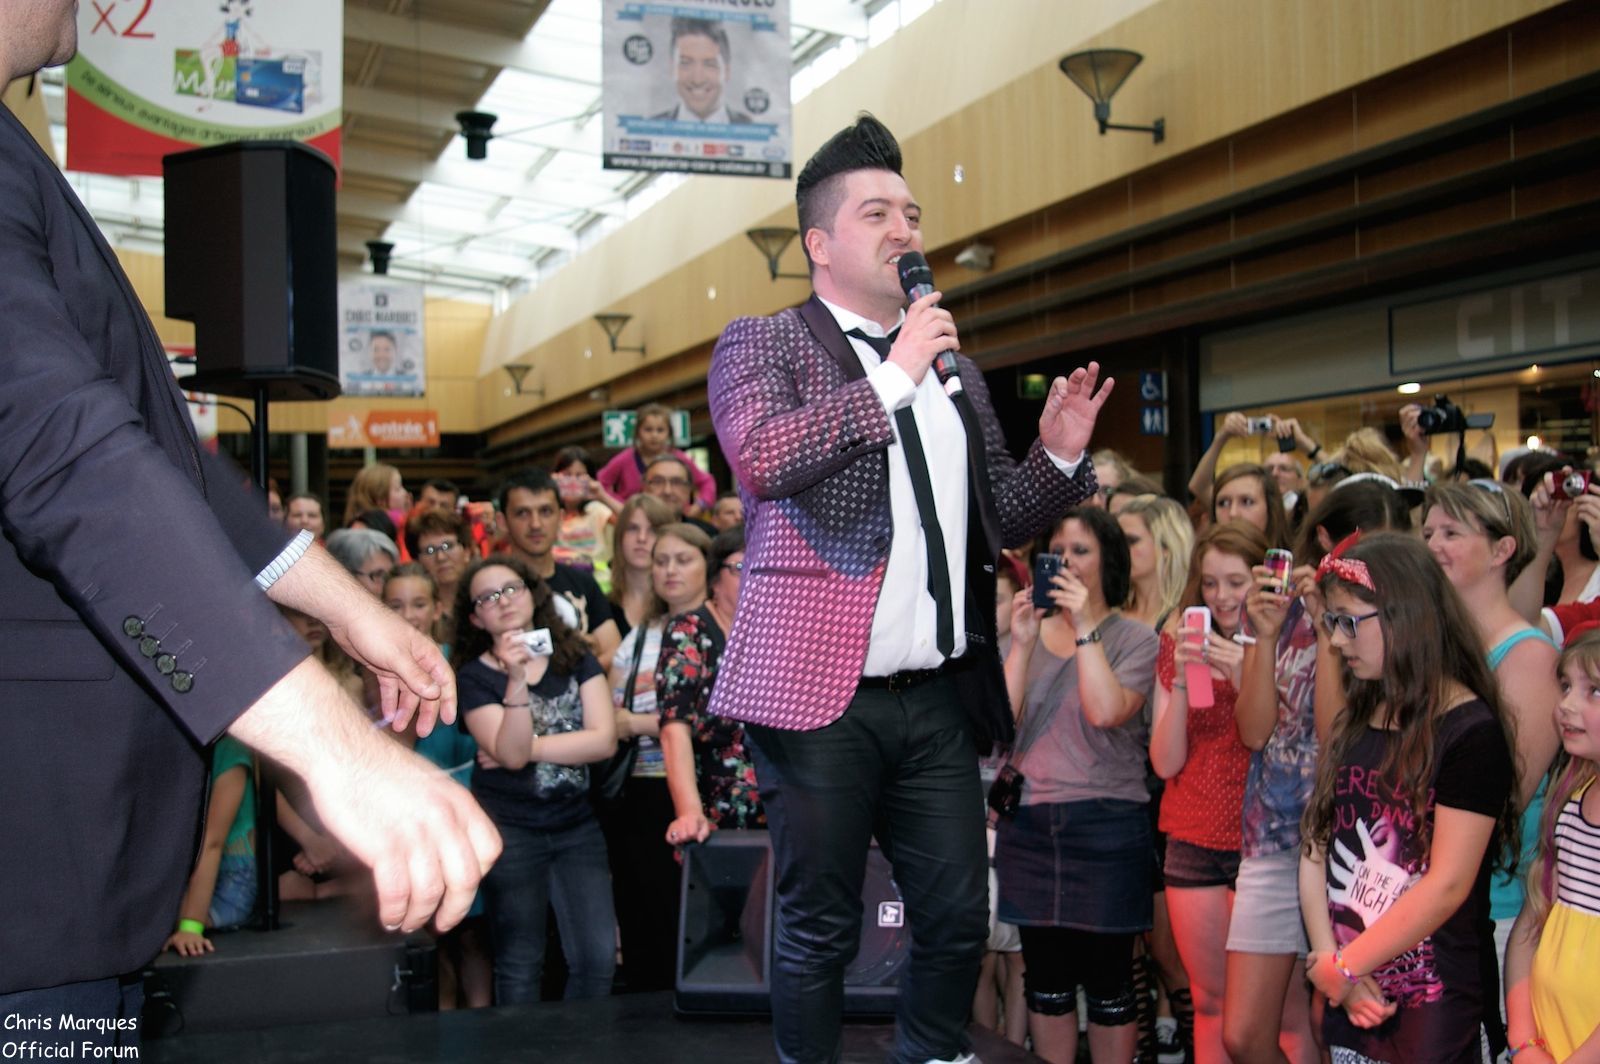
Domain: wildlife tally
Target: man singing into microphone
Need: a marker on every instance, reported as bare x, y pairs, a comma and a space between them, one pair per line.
862, 656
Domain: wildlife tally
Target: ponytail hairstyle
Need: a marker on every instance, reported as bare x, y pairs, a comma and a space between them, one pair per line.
1429, 641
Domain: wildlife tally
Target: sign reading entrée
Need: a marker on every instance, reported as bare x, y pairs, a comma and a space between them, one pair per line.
385, 428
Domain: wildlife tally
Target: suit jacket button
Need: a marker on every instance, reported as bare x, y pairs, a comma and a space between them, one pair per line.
165, 663
149, 646
182, 682
132, 627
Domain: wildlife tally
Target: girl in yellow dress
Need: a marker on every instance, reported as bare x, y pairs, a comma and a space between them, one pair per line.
1552, 996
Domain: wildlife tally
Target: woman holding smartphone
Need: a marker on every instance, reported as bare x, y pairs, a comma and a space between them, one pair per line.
1073, 861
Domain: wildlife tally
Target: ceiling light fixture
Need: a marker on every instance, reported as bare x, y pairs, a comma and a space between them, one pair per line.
613, 324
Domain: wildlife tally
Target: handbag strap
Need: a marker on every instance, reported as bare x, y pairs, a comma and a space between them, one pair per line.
641, 634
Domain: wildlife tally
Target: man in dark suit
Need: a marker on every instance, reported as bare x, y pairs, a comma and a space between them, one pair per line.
137, 622
701, 58
875, 507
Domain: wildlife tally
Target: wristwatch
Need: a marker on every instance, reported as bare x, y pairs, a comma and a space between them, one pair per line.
1092, 637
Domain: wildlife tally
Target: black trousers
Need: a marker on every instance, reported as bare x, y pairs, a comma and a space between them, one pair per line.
644, 882
901, 767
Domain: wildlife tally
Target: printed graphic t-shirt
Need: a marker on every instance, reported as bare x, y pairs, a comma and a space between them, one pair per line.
1446, 985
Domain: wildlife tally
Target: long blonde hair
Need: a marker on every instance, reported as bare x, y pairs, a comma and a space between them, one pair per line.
1568, 776
370, 490
1169, 527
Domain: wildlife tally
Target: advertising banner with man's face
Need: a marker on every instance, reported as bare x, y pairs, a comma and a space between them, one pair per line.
151, 79
380, 338
699, 86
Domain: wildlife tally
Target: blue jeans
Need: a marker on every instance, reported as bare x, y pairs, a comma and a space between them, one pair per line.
537, 869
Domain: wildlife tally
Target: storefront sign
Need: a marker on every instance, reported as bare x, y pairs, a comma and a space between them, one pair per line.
1533, 318
150, 79
700, 86
385, 428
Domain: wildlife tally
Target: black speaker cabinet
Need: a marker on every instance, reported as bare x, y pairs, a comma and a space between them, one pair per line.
252, 260
726, 913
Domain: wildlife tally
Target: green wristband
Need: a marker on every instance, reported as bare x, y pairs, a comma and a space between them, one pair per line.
194, 927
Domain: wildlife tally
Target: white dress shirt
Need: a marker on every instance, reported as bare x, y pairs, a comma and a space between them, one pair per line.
905, 622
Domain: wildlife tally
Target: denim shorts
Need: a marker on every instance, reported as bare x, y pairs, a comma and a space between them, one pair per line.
1084, 865
1266, 905
1188, 865
233, 899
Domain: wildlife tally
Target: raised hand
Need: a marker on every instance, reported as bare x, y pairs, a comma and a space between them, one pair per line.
1070, 411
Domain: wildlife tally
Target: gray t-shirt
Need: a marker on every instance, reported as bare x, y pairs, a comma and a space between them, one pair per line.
1065, 758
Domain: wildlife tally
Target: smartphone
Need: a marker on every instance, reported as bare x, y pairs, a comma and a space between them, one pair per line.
1045, 567
1280, 563
1197, 674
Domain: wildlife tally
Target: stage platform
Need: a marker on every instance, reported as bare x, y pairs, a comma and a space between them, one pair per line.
626, 1028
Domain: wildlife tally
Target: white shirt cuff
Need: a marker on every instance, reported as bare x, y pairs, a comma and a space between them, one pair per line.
1069, 468
288, 556
892, 384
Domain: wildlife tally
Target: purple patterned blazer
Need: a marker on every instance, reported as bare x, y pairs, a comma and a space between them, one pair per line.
807, 437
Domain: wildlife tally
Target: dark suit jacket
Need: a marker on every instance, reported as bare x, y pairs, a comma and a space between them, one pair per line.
110, 513
808, 438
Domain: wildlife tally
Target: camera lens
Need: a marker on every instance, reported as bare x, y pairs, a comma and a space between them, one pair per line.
1575, 484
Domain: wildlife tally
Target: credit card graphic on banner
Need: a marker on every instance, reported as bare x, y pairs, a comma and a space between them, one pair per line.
699, 86
153, 77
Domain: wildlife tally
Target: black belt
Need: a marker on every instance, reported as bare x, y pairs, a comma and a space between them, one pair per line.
906, 679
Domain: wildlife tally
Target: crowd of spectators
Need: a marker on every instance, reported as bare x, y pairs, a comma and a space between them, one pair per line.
1287, 744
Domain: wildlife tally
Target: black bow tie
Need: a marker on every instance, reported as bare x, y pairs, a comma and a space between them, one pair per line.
880, 344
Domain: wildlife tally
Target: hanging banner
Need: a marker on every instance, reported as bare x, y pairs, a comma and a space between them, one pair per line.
380, 338
700, 86
153, 77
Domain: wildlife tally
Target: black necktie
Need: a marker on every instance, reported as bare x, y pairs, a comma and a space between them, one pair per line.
922, 488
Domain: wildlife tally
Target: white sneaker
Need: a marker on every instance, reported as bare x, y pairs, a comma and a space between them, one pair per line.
1168, 1051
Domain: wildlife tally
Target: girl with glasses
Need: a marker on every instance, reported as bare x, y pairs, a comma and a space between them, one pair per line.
1414, 800
1482, 536
542, 714
1266, 1010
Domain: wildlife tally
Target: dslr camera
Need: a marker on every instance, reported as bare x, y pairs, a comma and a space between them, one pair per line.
1445, 416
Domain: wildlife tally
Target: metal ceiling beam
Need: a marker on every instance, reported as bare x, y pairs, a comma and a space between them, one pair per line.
455, 223
476, 177
471, 46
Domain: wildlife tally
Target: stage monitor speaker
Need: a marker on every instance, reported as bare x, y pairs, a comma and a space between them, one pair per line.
252, 260
726, 912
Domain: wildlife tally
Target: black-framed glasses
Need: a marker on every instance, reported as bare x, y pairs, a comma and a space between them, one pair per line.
1345, 623
509, 592
737, 566
441, 548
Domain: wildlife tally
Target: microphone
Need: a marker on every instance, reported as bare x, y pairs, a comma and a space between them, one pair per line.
916, 278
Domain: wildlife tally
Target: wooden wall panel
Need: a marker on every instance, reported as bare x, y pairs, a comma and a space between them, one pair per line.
1418, 228
1559, 47
1432, 91
1434, 167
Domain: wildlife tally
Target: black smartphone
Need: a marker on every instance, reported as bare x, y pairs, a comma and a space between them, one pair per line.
1045, 567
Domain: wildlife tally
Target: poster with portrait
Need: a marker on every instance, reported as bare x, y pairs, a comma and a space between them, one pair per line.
380, 338
699, 86
150, 79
